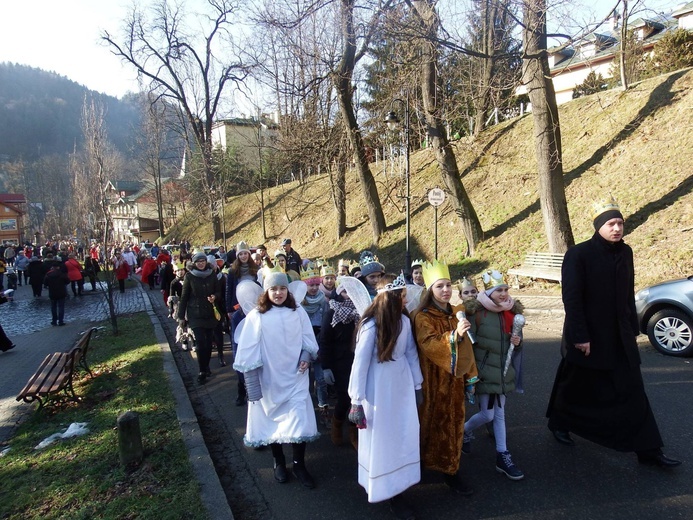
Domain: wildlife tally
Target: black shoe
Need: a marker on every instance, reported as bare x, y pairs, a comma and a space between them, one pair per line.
61, 324
208, 373
240, 400
9, 348
455, 483
301, 473
202, 378
222, 361
563, 437
401, 509
280, 474
657, 459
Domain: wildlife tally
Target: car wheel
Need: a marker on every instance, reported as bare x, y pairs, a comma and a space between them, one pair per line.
671, 332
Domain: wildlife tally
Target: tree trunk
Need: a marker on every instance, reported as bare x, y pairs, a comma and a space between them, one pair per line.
342, 82
445, 156
338, 184
547, 129
624, 39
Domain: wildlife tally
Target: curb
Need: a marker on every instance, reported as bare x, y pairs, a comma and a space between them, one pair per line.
211, 491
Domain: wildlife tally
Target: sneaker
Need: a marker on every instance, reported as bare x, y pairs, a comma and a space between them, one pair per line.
459, 486
202, 378
324, 414
467, 443
505, 464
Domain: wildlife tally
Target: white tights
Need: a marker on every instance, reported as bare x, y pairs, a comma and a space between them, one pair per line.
496, 414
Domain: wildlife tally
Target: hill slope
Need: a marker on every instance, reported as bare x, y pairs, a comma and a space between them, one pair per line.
636, 145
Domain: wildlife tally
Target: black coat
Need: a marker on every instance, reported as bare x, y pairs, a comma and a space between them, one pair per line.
598, 296
194, 306
56, 281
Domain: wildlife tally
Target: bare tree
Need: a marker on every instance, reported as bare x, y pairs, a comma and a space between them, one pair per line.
547, 128
425, 10
191, 69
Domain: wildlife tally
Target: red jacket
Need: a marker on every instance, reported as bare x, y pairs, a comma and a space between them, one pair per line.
74, 269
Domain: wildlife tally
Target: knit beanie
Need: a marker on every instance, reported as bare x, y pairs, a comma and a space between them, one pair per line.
605, 217
274, 279
198, 256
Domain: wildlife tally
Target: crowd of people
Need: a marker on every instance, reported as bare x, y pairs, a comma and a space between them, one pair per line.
425, 360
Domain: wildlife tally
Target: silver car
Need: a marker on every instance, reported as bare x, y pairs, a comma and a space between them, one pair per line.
665, 314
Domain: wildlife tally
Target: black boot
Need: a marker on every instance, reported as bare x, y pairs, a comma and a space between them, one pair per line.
299, 468
280, 473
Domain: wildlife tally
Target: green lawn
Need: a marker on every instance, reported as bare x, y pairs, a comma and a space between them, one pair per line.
81, 477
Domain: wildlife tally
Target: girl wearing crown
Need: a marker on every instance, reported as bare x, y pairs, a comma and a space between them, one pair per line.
448, 367
384, 387
275, 348
491, 315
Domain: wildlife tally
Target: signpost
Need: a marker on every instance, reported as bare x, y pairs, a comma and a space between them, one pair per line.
436, 197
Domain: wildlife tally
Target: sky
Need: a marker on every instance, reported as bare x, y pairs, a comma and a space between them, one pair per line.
63, 36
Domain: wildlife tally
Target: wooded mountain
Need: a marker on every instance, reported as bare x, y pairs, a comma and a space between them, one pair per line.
40, 114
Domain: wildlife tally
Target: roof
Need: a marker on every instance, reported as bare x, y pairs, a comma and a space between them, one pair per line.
13, 198
131, 186
246, 121
685, 9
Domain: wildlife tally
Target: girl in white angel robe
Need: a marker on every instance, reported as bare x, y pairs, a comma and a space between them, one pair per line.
275, 347
388, 453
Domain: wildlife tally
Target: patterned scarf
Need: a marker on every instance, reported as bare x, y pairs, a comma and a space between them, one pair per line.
500, 308
344, 312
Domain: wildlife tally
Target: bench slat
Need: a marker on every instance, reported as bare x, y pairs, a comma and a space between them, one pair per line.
546, 266
53, 364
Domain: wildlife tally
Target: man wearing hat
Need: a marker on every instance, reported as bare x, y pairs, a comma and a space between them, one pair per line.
598, 393
293, 259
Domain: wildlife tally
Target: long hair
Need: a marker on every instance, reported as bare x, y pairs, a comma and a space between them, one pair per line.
386, 310
264, 303
236, 268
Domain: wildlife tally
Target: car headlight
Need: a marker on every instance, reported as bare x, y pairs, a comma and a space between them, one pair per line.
641, 295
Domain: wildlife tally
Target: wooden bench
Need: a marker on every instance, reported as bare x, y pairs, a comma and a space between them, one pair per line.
546, 266
52, 381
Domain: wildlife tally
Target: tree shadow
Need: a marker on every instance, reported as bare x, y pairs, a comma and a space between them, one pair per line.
660, 97
471, 166
639, 217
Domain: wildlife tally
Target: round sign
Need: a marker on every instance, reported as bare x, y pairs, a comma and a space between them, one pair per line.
436, 196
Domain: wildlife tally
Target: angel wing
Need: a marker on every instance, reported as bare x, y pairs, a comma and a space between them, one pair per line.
357, 292
414, 293
247, 294
299, 290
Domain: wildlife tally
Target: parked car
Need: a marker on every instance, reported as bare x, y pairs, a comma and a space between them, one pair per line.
665, 314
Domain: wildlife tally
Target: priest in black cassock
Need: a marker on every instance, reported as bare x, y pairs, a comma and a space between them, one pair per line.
599, 393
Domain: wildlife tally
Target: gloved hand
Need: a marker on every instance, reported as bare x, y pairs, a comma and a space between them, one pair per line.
252, 385
357, 416
328, 376
470, 391
419, 396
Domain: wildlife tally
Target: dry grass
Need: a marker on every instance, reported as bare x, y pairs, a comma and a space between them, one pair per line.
637, 145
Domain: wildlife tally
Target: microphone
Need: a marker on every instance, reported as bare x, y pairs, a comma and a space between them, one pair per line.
518, 323
462, 316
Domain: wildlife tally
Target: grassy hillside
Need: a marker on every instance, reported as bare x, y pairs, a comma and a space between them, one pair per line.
637, 145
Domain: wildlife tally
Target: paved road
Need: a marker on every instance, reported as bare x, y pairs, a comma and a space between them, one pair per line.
586, 481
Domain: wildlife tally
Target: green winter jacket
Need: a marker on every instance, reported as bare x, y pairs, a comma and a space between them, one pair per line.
491, 350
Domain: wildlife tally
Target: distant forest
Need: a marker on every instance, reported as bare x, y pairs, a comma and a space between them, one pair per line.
40, 114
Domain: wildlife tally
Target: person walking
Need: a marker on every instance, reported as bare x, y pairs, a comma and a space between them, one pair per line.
36, 270
21, 263
201, 289
599, 392
275, 348
56, 281
385, 389
491, 315
449, 368
293, 259
74, 273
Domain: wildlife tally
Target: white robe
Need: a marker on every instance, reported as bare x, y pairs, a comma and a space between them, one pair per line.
389, 460
273, 342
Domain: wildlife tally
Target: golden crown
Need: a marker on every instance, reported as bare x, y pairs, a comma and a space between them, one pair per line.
267, 271
434, 271
327, 270
493, 279
343, 262
309, 271
465, 283
604, 205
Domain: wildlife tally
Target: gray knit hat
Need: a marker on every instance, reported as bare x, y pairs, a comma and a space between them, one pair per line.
369, 264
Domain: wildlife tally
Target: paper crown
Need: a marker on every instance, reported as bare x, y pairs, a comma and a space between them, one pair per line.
603, 206
279, 252
465, 283
394, 285
435, 271
343, 262
242, 246
180, 267
493, 279
309, 272
327, 270
418, 262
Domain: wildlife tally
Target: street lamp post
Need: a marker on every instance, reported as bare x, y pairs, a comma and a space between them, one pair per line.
393, 122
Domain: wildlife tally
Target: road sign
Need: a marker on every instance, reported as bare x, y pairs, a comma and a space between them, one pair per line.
436, 197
